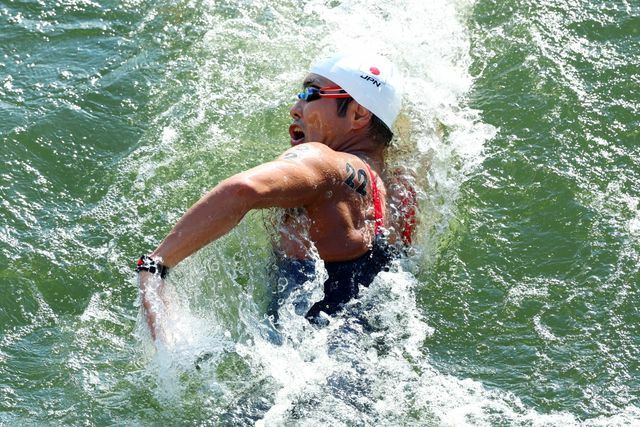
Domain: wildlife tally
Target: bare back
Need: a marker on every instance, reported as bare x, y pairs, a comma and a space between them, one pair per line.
339, 220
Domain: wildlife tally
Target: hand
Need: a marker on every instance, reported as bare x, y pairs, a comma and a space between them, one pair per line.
151, 292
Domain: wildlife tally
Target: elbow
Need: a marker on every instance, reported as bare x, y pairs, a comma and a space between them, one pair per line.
242, 192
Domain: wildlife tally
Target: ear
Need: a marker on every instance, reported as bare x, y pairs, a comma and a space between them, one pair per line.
361, 117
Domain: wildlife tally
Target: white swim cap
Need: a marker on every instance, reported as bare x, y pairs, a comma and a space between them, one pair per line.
372, 80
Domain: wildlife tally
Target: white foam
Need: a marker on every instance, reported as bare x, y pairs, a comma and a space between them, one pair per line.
341, 373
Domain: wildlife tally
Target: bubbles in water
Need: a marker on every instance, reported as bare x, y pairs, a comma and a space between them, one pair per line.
369, 365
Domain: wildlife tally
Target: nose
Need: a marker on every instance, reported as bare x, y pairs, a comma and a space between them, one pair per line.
296, 109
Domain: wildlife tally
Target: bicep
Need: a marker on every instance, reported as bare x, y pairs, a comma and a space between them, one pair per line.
285, 183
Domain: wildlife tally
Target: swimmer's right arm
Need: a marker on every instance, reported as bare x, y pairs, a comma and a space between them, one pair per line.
291, 181
214, 215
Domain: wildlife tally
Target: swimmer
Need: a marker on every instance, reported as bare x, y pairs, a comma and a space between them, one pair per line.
331, 176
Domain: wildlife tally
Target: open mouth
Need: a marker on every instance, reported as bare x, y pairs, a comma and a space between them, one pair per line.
297, 135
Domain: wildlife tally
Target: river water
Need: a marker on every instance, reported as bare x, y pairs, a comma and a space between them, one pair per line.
518, 305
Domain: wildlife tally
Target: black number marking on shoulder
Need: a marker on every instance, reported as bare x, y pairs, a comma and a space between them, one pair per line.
361, 182
364, 180
352, 174
290, 156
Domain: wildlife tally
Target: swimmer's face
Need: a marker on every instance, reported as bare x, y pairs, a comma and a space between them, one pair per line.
316, 119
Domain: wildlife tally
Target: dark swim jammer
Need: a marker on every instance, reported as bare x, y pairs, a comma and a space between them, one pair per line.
345, 277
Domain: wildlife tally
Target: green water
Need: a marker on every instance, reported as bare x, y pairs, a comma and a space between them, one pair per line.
537, 281
518, 307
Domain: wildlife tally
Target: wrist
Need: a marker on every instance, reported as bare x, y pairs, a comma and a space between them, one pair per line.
152, 265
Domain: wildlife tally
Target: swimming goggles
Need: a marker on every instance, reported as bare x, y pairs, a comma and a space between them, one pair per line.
312, 93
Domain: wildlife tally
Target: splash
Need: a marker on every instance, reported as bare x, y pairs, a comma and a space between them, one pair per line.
369, 365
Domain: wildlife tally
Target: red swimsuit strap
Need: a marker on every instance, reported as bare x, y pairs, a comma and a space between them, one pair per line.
377, 203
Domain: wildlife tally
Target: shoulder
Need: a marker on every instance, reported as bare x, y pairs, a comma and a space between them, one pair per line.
309, 151
315, 152
317, 156
336, 167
